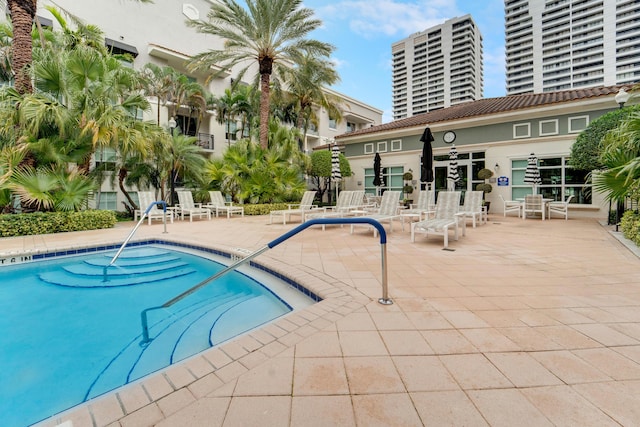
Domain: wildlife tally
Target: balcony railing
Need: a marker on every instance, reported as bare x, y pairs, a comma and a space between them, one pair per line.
205, 141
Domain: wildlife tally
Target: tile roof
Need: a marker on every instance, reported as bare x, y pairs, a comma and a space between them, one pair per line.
488, 106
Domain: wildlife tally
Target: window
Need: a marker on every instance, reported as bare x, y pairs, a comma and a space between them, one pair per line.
548, 127
105, 159
578, 123
521, 130
392, 179
559, 180
382, 147
396, 145
232, 130
108, 200
368, 148
332, 123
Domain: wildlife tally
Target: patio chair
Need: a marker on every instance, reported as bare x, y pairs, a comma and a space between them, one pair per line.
145, 198
446, 217
388, 210
560, 208
218, 204
188, 207
511, 206
342, 208
425, 205
533, 204
473, 207
305, 206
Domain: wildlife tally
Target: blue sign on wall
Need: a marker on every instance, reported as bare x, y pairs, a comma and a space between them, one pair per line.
503, 181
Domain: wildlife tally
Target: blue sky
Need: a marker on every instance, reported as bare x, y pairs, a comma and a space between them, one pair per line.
363, 30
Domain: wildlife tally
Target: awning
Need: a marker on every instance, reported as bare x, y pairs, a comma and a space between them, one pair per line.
118, 47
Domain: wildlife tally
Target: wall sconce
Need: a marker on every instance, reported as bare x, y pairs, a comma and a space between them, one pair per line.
496, 167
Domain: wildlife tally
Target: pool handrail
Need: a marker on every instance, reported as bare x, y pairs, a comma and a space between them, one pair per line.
126, 241
385, 300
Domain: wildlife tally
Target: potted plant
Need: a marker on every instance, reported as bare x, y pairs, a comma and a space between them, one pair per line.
407, 189
485, 187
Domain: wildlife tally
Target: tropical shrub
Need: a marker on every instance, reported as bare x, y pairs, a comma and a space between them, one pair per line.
630, 226
55, 222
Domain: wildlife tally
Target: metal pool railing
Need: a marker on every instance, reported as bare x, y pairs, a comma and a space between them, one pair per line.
126, 241
385, 300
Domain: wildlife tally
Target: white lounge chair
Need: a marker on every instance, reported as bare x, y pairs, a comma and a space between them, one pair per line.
305, 206
188, 207
145, 198
347, 203
446, 217
388, 210
218, 204
533, 204
473, 207
560, 208
511, 206
425, 204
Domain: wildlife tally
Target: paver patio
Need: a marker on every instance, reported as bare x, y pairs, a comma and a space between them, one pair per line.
525, 323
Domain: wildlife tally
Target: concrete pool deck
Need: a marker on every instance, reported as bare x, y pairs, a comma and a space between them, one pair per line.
524, 323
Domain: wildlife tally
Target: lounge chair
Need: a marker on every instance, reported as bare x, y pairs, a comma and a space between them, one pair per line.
347, 203
388, 210
533, 204
446, 217
145, 198
560, 208
425, 204
473, 207
511, 206
305, 206
188, 207
218, 204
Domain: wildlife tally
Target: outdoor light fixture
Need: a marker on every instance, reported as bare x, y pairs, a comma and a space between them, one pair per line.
496, 167
622, 97
172, 125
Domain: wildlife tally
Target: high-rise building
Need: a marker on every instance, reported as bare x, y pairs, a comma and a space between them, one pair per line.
437, 68
553, 45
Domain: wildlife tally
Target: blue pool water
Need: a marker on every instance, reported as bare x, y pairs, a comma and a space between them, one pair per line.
67, 336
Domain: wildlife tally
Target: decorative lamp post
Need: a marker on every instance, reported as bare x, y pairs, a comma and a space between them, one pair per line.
622, 97
172, 126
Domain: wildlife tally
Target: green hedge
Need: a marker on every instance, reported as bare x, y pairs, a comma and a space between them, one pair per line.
264, 209
630, 226
54, 222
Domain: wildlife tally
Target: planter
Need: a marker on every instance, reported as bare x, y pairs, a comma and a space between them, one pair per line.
488, 205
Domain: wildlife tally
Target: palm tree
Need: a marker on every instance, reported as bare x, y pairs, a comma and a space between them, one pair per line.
273, 32
23, 13
620, 156
156, 82
183, 157
305, 85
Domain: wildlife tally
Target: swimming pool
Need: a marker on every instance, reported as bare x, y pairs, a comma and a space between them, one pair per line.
68, 335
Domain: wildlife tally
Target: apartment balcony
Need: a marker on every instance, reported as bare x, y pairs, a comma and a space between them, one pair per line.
205, 141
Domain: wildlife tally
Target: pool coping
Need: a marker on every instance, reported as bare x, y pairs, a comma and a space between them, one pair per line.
215, 367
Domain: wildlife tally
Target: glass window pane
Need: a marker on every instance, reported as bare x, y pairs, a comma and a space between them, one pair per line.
551, 176
518, 177
556, 161
515, 164
575, 176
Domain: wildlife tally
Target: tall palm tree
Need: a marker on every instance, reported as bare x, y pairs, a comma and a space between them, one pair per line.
22, 14
156, 82
271, 32
304, 89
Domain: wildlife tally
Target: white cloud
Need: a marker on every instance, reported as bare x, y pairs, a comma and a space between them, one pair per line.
386, 18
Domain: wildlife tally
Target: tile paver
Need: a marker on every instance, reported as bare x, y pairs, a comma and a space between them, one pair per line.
523, 321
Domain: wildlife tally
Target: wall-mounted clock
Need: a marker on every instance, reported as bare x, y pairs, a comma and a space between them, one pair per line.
449, 136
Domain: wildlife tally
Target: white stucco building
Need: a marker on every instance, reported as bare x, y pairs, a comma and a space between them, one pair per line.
494, 133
